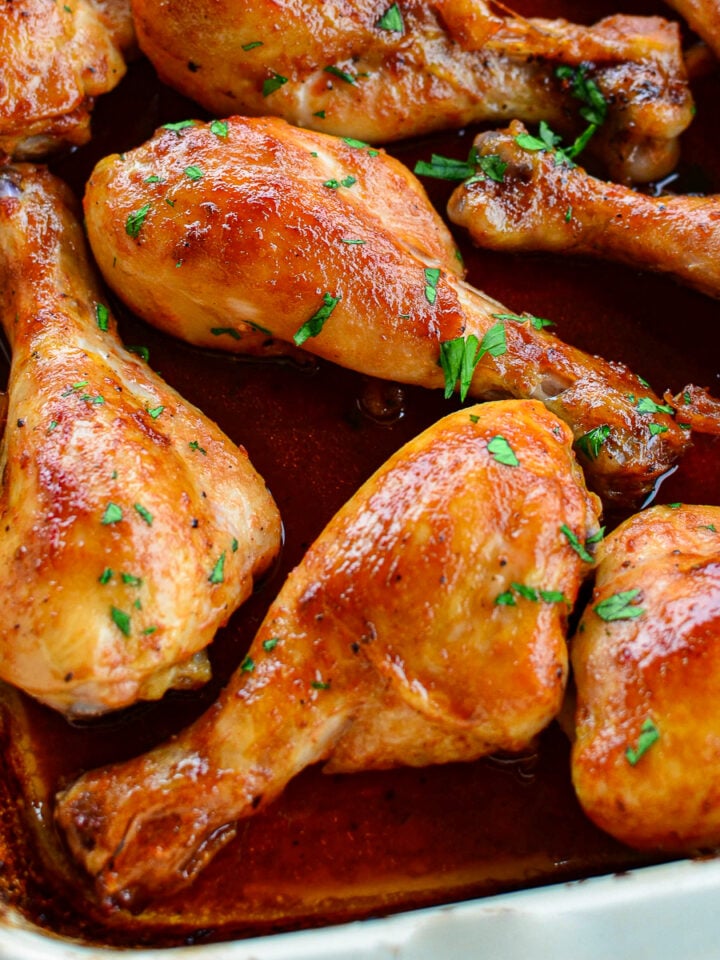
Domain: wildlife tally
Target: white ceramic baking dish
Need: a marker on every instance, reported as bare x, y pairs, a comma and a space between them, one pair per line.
667, 912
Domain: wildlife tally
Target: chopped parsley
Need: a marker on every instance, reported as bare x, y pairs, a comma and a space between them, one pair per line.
648, 405
491, 166
656, 428
155, 412
219, 331
502, 452
135, 220
444, 168
273, 83
247, 47
220, 128
320, 684
432, 275
131, 579
102, 316
194, 173
392, 20
194, 445
313, 326
271, 643
341, 74
112, 514
538, 323
217, 574
121, 620
574, 542
585, 89
619, 607
180, 125
591, 442
459, 357
649, 734
141, 351
144, 513
248, 665
105, 575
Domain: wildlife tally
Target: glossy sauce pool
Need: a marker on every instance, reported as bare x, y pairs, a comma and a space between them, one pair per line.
337, 847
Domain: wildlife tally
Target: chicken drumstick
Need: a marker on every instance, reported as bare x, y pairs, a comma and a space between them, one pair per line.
426, 624
646, 660
382, 71
56, 58
132, 527
544, 204
229, 233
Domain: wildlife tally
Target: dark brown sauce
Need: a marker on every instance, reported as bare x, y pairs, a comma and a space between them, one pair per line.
337, 847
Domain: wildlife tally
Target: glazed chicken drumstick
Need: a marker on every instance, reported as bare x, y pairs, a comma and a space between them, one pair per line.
382, 71
229, 233
426, 624
544, 204
646, 661
132, 527
55, 60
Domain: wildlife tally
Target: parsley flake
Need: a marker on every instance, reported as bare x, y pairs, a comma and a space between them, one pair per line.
194, 173
273, 83
144, 513
341, 74
458, 359
195, 445
247, 47
505, 599
432, 275
219, 331
502, 452
444, 168
135, 220
538, 323
248, 665
121, 620
180, 125
112, 514
648, 405
220, 128
218, 571
619, 607
392, 20
591, 442
271, 643
155, 412
574, 542
105, 575
313, 326
649, 734
102, 316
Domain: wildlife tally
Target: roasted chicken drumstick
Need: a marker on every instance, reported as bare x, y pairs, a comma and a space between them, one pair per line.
426, 624
381, 71
229, 233
544, 204
55, 59
646, 660
132, 527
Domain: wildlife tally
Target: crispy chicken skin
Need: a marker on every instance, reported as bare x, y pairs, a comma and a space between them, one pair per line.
215, 233
353, 69
132, 527
544, 204
405, 636
646, 760
56, 58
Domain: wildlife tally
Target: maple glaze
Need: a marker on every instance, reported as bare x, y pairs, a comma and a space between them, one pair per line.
345, 846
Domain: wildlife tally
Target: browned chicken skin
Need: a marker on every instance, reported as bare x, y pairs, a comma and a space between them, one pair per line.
227, 235
646, 659
426, 624
55, 59
132, 526
381, 72
544, 204
704, 18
